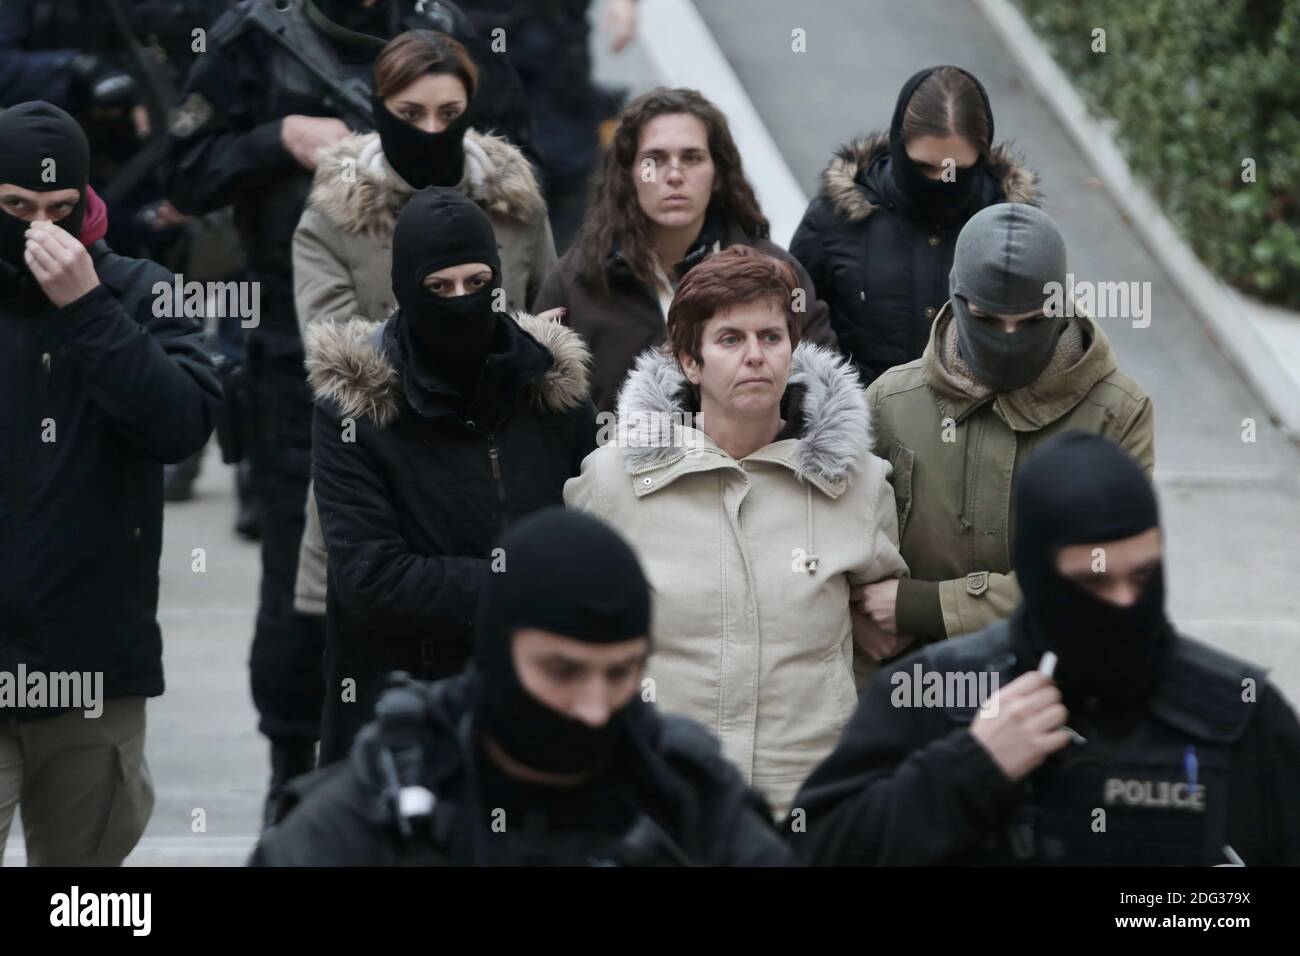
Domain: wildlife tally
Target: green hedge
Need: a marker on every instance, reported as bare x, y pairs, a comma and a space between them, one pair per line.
1196, 87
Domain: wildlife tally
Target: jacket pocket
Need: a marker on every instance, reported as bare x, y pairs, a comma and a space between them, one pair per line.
902, 459
842, 676
130, 805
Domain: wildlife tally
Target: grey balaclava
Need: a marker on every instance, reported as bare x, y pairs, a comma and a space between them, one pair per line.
1005, 257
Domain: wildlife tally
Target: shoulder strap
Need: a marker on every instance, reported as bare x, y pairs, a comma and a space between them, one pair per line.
1205, 692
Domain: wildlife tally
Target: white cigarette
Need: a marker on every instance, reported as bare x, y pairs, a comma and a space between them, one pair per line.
1047, 667
1047, 664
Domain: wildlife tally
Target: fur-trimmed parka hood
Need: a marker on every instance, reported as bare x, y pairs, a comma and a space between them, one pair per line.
842, 186
825, 402
348, 366
357, 190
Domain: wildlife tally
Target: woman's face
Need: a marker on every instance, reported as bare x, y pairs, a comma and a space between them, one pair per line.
459, 280
929, 153
673, 170
744, 365
431, 103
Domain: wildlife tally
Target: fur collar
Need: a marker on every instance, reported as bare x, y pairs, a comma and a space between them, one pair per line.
836, 430
359, 192
346, 366
847, 197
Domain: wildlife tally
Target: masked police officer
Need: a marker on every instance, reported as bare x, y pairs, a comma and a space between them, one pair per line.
1110, 739
279, 80
549, 753
114, 65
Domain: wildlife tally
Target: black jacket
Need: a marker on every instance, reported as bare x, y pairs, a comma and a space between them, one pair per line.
910, 785
691, 806
411, 501
96, 397
882, 269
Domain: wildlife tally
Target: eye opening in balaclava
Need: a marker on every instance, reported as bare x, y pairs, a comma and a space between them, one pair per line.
452, 335
1006, 257
933, 198
1080, 488
45, 151
570, 574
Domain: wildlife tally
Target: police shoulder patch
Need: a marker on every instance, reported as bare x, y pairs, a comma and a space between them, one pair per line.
188, 115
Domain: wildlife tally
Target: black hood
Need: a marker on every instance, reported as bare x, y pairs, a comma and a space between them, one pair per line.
1080, 488
449, 337
44, 150
925, 198
572, 575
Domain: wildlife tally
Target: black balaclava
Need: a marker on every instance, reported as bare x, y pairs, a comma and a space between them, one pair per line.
452, 335
422, 158
1079, 488
44, 150
570, 574
934, 199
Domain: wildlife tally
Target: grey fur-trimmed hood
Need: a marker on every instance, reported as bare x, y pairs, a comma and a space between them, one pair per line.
357, 190
841, 188
836, 429
346, 366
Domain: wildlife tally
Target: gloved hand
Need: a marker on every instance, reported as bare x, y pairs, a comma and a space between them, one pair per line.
99, 82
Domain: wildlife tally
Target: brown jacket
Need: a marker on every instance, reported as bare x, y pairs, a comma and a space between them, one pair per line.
623, 323
955, 450
342, 249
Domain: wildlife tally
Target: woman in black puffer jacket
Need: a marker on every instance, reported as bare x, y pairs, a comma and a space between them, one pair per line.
433, 432
878, 239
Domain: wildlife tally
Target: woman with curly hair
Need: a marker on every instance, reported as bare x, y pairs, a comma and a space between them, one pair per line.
672, 190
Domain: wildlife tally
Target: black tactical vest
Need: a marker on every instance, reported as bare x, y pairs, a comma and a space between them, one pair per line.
1155, 796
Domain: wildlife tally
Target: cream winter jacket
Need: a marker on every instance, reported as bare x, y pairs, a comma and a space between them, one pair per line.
751, 561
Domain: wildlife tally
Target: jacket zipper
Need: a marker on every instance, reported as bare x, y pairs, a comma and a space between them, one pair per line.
494, 456
494, 459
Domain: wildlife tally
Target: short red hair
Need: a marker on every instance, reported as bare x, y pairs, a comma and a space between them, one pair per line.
735, 276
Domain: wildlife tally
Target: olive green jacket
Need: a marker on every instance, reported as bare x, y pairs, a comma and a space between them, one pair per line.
955, 448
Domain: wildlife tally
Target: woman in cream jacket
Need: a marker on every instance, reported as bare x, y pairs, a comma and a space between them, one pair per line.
741, 473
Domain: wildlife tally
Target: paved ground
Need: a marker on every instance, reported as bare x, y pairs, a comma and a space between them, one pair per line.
1230, 507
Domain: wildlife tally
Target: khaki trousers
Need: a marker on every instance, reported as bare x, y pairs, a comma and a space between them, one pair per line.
82, 783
